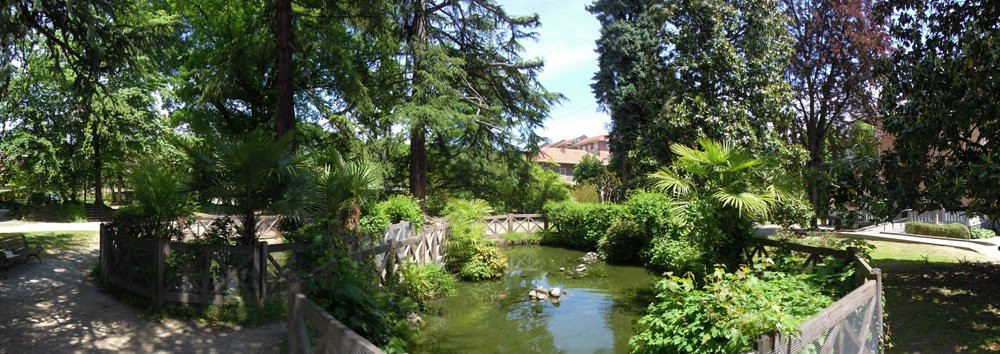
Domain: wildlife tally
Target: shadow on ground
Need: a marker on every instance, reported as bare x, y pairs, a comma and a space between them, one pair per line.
54, 306
942, 307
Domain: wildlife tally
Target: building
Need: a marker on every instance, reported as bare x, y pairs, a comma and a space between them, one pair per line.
563, 156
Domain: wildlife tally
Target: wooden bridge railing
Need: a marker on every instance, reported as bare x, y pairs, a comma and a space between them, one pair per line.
852, 324
501, 224
402, 246
305, 317
190, 273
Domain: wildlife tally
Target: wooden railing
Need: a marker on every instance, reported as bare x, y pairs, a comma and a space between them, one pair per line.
852, 324
402, 246
197, 227
305, 318
189, 273
501, 224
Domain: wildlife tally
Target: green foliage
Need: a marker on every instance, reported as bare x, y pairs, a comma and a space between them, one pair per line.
529, 195
251, 174
942, 230
677, 71
981, 233
344, 187
426, 282
677, 256
728, 314
938, 102
585, 193
396, 209
469, 254
793, 211
161, 197
62, 212
347, 291
580, 225
624, 242
521, 238
588, 169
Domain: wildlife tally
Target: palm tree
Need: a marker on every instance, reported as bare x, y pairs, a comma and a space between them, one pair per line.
725, 190
252, 175
722, 173
344, 187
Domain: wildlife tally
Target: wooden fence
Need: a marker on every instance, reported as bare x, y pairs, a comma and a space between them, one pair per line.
501, 224
852, 324
403, 246
189, 273
197, 227
306, 318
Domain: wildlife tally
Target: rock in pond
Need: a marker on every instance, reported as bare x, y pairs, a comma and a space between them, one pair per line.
555, 293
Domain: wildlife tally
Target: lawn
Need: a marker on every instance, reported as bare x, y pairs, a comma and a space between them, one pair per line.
939, 299
57, 242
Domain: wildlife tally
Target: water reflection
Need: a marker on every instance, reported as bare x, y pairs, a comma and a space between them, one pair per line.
595, 315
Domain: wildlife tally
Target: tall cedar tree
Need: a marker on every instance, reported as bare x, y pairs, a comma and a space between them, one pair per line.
837, 44
468, 86
940, 102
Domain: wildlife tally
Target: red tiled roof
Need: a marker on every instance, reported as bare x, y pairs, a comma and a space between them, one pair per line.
591, 139
567, 156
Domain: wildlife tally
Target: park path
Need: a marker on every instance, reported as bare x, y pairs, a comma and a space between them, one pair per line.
26, 226
54, 307
990, 250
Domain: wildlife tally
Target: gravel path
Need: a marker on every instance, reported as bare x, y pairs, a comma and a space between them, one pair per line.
54, 307
30, 226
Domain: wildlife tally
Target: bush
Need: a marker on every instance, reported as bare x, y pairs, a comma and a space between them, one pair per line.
64, 212
981, 233
585, 193
426, 282
468, 254
580, 225
675, 256
790, 212
942, 230
521, 238
721, 234
728, 314
624, 242
393, 210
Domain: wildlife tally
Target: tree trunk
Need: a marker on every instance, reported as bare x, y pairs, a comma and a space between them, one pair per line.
813, 167
249, 228
285, 120
418, 162
98, 166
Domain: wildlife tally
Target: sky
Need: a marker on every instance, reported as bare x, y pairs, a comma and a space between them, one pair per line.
566, 43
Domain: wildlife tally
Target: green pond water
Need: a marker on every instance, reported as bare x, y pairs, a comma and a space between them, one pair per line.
597, 313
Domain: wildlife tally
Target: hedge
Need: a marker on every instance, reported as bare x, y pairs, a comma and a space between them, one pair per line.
942, 230
580, 225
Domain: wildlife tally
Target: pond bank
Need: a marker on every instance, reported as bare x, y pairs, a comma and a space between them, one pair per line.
597, 313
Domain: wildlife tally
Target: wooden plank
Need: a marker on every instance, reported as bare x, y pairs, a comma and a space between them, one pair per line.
317, 317
816, 327
806, 249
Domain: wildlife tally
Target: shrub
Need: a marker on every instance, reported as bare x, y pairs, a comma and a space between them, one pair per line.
624, 242
728, 314
468, 254
393, 210
64, 212
585, 193
426, 282
521, 238
942, 230
675, 256
719, 233
795, 211
980, 233
347, 291
580, 225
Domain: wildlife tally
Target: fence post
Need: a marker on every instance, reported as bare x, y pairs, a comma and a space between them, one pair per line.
104, 255
510, 223
545, 223
293, 317
162, 247
765, 344
262, 272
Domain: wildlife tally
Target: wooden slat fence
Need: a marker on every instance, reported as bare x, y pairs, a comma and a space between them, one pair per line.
197, 227
305, 319
426, 247
852, 324
502, 224
189, 273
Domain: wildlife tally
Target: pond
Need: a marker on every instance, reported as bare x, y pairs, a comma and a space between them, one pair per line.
596, 314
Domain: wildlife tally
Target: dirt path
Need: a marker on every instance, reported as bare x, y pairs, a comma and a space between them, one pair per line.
54, 307
31, 226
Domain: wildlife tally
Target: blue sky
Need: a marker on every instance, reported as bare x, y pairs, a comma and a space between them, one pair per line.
566, 43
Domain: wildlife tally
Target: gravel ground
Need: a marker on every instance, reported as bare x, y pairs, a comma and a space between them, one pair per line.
54, 307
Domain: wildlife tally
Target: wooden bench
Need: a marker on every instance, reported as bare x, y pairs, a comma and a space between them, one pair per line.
15, 248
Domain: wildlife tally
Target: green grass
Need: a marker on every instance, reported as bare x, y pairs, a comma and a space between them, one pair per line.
939, 299
927, 253
521, 238
58, 242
